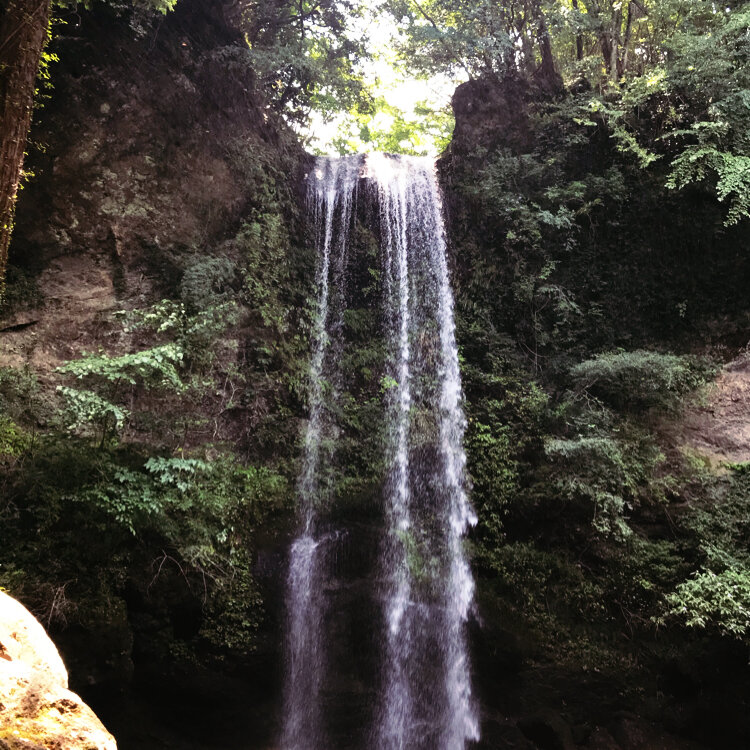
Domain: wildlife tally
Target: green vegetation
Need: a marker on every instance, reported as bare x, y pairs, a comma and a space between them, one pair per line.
147, 469
373, 124
594, 186
117, 459
716, 595
678, 64
305, 53
597, 193
640, 379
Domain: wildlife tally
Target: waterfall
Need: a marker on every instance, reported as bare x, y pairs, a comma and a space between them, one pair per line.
423, 582
426, 582
331, 193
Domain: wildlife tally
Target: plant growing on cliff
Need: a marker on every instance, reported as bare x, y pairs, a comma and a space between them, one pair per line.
641, 379
109, 380
24, 30
680, 63
713, 600
711, 66
716, 594
605, 475
105, 389
155, 367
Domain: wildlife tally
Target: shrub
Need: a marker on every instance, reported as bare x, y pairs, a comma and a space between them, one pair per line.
155, 367
13, 439
207, 282
599, 475
641, 379
611, 475
83, 408
716, 596
720, 600
20, 397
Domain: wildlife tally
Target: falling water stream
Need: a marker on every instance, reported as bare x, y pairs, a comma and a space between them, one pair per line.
423, 582
331, 197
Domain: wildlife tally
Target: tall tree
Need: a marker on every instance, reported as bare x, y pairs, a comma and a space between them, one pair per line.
24, 29
306, 54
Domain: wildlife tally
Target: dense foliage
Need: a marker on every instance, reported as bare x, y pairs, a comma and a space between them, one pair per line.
679, 63
599, 237
305, 53
597, 191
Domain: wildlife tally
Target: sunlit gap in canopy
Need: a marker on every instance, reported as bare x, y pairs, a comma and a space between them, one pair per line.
410, 115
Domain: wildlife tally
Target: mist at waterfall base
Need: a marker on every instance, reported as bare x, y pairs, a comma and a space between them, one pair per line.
420, 581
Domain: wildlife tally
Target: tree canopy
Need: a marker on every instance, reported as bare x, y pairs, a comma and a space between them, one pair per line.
687, 61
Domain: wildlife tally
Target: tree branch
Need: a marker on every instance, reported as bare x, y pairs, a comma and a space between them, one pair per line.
434, 25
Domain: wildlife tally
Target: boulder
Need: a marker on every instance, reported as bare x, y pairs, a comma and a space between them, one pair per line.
37, 711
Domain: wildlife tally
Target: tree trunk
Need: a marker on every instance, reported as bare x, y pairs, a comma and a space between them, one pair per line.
608, 37
615, 53
579, 37
23, 34
547, 73
626, 43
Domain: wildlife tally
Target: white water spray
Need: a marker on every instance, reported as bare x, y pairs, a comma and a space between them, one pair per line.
424, 582
331, 196
428, 588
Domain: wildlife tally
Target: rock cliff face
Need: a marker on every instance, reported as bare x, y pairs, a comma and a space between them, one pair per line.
719, 428
665, 252
148, 150
37, 710
153, 150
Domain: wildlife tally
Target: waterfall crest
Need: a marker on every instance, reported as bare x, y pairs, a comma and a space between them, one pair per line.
423, 583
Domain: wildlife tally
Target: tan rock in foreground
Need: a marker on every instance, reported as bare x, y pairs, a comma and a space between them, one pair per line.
37, 711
